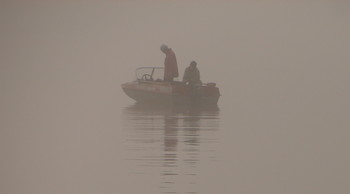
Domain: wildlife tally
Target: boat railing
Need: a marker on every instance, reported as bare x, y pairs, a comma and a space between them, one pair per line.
146, 73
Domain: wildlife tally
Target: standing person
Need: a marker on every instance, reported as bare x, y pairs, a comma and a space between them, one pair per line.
170, 64
192, 75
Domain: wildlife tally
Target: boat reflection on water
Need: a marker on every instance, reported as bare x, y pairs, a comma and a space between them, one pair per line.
170, 141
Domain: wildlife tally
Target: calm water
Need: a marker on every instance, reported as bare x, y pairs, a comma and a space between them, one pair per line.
170, 145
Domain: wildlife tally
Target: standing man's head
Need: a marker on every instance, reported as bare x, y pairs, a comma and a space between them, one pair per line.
164, 48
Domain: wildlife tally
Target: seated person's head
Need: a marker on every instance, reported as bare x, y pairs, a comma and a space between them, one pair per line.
193, 64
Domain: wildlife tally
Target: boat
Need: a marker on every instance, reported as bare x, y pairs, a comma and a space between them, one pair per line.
148, 87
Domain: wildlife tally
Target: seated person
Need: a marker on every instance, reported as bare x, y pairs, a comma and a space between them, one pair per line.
192, 75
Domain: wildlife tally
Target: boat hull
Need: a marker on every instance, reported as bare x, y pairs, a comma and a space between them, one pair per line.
170, 93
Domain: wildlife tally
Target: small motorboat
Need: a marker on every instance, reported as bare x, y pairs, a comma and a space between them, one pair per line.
150, 88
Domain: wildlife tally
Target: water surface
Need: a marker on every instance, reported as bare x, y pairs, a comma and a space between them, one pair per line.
169, 145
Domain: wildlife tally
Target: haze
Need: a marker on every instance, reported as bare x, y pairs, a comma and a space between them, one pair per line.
282, 68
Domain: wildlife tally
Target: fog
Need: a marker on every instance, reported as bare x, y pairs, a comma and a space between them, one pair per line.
282, 68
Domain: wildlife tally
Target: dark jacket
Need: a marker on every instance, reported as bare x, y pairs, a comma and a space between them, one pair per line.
170, 65
192, 76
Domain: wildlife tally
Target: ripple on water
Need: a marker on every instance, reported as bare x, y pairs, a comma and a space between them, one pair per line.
170, 143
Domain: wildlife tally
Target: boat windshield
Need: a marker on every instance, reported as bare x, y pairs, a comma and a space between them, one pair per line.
149, 73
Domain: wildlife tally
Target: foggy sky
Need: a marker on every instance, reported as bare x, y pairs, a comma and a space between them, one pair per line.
277, 63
